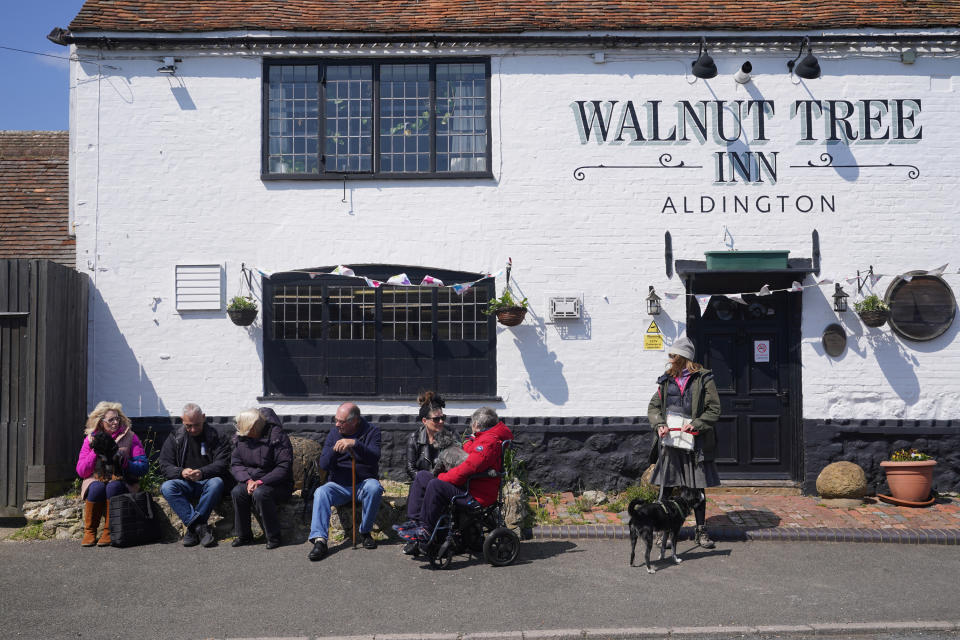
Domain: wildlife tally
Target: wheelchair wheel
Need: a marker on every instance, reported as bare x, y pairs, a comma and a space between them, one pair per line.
501, 547
444, 556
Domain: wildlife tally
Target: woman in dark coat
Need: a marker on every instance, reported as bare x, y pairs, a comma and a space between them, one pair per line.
422, 449
262, 464
686, 394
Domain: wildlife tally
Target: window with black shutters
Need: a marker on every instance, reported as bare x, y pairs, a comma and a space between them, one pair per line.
376, 118
327, 335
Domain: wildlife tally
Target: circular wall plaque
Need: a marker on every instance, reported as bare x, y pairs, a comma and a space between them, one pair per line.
922, 306
834, 340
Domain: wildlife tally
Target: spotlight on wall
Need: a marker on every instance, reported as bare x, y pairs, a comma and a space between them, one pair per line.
703, 66
839, 299
653, 302
809, 68
743, 75
169, 66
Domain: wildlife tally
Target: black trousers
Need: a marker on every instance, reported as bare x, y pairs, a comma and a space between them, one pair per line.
264, 500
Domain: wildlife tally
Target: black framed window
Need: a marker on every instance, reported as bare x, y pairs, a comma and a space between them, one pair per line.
396, 119
335, 336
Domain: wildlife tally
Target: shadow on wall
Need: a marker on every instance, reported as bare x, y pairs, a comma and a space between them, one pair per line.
544, 370
115, 372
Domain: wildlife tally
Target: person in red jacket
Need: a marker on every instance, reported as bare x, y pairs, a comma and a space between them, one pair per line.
429, 496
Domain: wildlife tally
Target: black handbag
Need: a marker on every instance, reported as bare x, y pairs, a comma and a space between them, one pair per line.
133, 520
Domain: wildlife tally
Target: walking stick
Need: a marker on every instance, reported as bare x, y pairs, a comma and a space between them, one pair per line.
353, 498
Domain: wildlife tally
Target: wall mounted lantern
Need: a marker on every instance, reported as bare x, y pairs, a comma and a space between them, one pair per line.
809, 68
653, 302
839, 299
703, 66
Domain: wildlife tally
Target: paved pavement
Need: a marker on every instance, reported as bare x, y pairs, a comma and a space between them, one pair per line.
775, 518
562, 588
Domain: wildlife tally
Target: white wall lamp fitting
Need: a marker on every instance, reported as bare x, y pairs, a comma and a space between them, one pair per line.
742, 76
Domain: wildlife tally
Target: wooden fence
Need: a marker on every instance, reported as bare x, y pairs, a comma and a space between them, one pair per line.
43, 378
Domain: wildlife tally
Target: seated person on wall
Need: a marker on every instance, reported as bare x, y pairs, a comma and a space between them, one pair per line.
262, 465
430, 496
354, 440
423, 445
195, 459
111, 461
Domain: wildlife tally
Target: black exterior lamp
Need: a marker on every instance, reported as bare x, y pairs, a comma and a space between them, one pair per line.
703, 66
809, 68
839, 299
653, 302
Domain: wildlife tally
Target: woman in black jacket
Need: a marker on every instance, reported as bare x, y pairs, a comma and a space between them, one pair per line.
262, 464
421, 445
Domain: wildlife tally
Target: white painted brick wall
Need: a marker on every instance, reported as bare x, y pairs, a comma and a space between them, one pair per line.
166, 171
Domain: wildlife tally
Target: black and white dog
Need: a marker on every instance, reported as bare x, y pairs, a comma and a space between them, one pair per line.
108, 466
666, 516
451, 452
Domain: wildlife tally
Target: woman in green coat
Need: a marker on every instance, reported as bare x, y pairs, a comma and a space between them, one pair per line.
687, 391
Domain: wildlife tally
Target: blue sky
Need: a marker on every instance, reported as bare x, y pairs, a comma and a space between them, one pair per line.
35, 88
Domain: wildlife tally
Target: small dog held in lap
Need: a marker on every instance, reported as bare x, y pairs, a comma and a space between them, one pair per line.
108, 466
666, 516
451, 453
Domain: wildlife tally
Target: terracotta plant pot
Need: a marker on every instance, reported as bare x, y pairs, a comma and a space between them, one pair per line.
511, 316
874, 318
910, 481
242, 317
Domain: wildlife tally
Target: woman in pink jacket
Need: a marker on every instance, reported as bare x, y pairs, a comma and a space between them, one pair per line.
97, 489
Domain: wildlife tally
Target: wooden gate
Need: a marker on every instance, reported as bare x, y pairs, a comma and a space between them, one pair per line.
43, 378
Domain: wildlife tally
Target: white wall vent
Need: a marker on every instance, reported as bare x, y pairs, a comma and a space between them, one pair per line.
564, 308
199, 287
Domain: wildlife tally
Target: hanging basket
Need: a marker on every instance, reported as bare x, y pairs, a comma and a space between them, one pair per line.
242, 317
511, 316
874, 318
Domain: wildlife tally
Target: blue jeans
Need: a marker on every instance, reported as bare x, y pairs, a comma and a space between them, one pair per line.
332, 495
182, 493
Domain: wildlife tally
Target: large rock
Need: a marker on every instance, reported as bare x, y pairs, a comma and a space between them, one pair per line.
842, 484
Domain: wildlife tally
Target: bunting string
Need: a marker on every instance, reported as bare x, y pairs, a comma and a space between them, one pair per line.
399, 280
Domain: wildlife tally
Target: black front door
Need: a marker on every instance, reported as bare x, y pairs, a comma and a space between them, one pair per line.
748, 348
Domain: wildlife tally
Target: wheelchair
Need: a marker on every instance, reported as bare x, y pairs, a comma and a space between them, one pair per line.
472, 529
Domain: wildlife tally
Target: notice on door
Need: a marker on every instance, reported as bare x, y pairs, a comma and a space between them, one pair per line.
761, 351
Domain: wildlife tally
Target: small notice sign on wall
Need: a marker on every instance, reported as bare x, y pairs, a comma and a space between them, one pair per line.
653, 339
761, 351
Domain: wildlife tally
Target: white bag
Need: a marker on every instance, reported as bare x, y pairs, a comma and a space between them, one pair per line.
676, 437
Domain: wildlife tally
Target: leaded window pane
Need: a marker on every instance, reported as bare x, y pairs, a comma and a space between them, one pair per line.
461, 113
405, 118
349, 118
293, 113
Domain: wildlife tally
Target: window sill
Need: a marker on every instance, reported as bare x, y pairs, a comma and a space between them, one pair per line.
366, 398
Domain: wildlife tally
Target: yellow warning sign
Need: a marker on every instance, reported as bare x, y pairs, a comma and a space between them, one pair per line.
653, 328
653, 342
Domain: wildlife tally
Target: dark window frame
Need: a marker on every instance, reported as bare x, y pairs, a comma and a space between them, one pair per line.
284, 358
375, 173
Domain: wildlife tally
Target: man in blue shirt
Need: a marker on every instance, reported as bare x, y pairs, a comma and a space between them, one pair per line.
354, 440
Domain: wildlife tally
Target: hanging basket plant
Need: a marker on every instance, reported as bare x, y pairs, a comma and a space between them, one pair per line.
242, 311
873, 311
509, 311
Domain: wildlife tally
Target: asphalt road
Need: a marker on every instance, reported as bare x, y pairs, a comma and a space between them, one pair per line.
56, 589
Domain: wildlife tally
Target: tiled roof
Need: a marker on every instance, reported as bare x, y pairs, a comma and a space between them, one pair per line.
510, 16
33, 196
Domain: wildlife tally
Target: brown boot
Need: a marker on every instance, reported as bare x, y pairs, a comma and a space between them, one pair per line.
92, 512
700, 534
104, 540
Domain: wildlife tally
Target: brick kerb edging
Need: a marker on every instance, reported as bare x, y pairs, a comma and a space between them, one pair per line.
818, 629
770, 534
